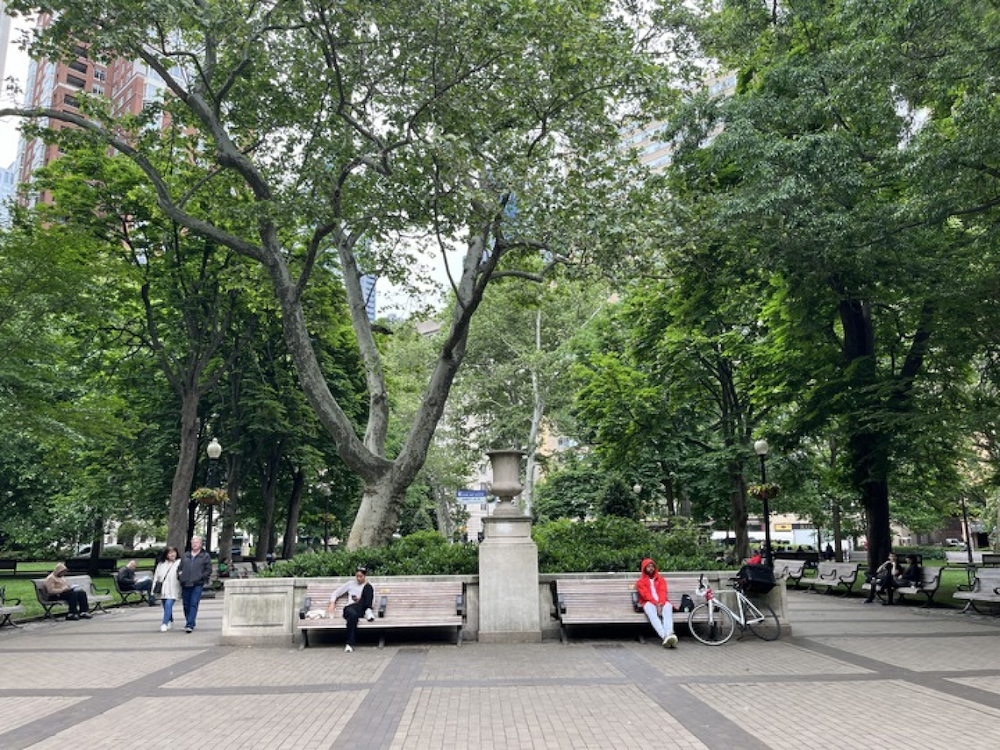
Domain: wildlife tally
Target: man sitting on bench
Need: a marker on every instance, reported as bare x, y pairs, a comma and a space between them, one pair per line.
652, 590
127, 582
360, 596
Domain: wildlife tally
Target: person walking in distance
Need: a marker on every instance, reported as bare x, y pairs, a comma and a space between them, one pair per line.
360, 596
170, 585
652, 590
196, 572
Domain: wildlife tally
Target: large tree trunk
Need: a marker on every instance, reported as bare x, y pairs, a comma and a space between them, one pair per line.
377, 517
268, 488
229, 513
292, 522
187, 460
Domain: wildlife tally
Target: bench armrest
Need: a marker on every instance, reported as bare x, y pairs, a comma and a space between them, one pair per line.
306, 606
460, 604
98, 590
635, 602
383, 603
561, 604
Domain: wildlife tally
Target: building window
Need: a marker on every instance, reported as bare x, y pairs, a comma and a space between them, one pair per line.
71, 101
79, 67
75, 81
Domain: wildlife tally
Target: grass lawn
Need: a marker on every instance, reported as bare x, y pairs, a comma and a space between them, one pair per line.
21, 587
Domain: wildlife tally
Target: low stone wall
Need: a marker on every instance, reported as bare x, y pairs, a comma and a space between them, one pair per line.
263, 611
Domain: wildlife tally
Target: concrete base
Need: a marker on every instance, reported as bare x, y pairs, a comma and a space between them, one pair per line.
508, 582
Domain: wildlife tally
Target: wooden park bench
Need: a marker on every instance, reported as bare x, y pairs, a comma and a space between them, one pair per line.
832, 575
985, 590
127, 594
789, 571
810, 557
242, 570
82, 564
96, 597
8, 607
397, 604
930, 581
8, 566
608, 601
991, 559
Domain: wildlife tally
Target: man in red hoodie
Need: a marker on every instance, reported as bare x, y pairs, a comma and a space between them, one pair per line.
652, 590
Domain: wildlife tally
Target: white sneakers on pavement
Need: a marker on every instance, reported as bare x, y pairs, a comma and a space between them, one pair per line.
670, 641
348, 648
164, 628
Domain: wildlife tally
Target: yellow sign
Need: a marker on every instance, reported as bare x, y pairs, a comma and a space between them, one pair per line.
782, 527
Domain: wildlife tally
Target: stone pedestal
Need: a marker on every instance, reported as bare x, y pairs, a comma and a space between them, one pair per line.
508, 579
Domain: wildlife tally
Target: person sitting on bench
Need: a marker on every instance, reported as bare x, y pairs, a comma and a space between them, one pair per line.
127, 582
360, 596
57, 588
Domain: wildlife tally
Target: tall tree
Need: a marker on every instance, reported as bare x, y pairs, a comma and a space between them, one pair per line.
354, 127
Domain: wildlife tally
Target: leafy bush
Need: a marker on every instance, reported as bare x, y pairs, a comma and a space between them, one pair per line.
620, 544
605, 544
422, 553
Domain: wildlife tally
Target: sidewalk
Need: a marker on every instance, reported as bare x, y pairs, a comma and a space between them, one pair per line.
116, 682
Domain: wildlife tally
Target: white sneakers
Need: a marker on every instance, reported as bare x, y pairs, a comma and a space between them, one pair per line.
164, 628
348, 648
670, 641
369, 615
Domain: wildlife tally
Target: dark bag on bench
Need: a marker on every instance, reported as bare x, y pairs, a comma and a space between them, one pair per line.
755, 579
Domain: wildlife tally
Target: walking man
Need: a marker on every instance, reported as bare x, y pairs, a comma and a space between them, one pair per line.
196, 572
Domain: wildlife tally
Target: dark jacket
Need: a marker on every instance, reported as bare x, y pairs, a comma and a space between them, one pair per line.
126, 578
196, 569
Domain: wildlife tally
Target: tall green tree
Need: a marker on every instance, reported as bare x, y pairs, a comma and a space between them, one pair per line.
355, 127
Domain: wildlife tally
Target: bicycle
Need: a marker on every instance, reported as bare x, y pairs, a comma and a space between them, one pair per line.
713, 622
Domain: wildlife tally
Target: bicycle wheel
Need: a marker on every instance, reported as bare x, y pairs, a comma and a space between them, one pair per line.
762, 621
712, 625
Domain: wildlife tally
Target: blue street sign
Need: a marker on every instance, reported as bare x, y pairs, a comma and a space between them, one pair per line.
471, 497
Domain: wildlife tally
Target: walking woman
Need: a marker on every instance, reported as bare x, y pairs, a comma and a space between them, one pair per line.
166, 578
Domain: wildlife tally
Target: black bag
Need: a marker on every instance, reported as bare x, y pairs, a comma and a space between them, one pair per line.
158, 588
687, 603
755, 579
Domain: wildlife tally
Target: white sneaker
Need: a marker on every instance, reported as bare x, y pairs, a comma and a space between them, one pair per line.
164, 628
170, 626
670, 641
348, 648
369, 615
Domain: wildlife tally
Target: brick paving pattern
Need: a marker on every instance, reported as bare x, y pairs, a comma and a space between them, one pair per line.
116, 682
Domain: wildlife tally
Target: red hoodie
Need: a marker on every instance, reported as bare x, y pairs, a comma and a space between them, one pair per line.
645, 584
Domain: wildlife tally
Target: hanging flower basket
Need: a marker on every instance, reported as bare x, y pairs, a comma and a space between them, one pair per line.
763, 491
208, 496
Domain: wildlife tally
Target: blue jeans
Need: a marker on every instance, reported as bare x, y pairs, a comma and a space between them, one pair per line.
168, 611
191, 597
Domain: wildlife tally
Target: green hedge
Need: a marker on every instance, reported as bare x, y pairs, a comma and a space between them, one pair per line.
602, 545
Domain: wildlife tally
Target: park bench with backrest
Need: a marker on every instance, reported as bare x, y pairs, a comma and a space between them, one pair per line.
929, 583
9, 606
8, 566
82, 564
811, 557
991, 559
128, 594
789, 571
985, 590
608, 601
96, 597
833, 575
397, 605
242, 570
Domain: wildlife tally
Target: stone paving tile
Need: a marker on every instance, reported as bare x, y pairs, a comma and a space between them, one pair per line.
85, 669
272, 667
502, 662
826, 715
989, 684
746, 657
589, 716
19, 710
955, 653
302, 721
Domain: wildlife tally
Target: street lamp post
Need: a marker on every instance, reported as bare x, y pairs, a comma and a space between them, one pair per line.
760, 448
324, 488
214, 450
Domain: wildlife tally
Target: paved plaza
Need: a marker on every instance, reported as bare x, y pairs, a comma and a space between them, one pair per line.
852, 676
